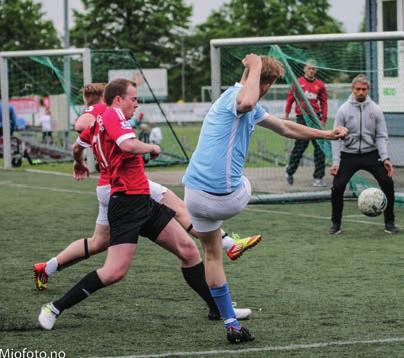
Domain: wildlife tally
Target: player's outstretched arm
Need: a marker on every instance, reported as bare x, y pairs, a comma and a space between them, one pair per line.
294, 130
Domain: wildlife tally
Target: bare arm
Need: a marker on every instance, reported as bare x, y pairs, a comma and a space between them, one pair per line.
294, 130
133, 145
80, 170
249, 94
84, 121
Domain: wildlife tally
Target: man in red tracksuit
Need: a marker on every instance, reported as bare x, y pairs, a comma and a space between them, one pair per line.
316, 94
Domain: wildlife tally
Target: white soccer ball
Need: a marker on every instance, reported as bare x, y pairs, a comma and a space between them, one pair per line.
372, 202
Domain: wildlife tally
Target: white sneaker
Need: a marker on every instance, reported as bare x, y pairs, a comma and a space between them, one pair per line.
47, 316
242, 313
319, 182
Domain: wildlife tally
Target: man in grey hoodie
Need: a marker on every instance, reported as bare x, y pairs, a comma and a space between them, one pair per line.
364, 148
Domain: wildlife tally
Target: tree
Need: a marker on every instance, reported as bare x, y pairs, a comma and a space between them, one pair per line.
146, 27
240, 18
22, 27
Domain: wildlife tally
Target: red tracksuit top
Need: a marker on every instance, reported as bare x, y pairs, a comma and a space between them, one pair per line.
317, 95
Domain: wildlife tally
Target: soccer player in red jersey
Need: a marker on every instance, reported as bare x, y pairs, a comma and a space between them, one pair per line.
131, 211
316, 94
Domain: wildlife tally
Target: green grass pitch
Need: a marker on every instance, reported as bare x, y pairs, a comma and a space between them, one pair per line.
312, 295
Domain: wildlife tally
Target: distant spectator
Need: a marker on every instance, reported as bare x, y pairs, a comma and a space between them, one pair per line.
144, 133
136, 121
46, 123
155, 134
13, 118
20, 124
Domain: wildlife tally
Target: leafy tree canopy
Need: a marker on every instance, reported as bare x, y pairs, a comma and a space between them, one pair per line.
22, 27
254, 18
146, 27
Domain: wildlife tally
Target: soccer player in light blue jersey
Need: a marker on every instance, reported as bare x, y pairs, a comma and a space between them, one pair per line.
215, 188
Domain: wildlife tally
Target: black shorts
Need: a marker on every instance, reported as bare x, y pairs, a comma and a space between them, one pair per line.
132, 215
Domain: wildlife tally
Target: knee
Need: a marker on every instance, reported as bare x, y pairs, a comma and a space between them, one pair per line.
338, 187
189, 253
97, 243
387, 183
211, 252
110, 276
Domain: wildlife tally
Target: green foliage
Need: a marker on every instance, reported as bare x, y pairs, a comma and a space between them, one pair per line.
22, 27
240, 18
146, 27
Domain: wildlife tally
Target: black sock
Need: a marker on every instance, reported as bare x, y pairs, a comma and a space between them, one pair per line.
75, 261
195, 277
84, 288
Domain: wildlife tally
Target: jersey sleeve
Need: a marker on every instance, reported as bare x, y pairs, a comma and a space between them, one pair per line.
96, 109
290, 99
84, 140
117, 127
260, 113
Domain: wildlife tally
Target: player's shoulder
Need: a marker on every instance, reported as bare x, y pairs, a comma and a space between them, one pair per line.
96, 109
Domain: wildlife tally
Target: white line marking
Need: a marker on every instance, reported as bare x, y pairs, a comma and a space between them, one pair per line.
311, 216
291, 347
14, 185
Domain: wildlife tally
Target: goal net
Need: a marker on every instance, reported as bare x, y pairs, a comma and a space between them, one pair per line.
337, 63
46, 93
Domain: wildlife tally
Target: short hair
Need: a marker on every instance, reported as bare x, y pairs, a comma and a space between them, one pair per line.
93, 92
361, 78
117, 87
311, 62
271, 70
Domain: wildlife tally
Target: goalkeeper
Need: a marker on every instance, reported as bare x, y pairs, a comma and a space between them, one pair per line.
316, 94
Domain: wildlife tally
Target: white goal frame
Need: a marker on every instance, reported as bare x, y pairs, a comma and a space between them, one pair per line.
216, 44
4, 56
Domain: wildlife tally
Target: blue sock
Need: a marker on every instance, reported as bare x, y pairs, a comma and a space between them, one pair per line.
222, 297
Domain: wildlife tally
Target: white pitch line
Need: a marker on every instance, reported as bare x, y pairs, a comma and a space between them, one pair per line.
8, 183
311, 216
14, 185
291, 347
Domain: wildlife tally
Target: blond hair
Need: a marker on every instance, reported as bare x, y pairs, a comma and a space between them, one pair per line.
271, 70
93, 93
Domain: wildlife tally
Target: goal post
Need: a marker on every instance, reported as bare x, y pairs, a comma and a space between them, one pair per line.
4, 77
217, 44
338, 58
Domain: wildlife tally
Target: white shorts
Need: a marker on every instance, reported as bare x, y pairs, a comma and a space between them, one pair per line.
103, 192
208, 211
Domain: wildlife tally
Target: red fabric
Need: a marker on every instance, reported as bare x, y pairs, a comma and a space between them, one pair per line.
126, 170
317, 95
95, 110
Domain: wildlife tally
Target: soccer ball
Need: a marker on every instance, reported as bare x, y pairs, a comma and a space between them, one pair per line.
372, 202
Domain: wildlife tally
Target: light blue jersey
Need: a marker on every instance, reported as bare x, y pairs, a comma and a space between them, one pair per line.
216, 165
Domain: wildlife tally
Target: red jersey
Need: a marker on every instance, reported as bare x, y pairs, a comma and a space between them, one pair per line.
317, 95
126, 170
95, 110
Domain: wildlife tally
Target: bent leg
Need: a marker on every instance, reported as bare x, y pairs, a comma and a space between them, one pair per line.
386, 184
346, 170
319, 161
80, 250
116, 266
174, 239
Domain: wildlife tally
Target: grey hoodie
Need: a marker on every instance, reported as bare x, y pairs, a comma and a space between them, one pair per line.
367, 129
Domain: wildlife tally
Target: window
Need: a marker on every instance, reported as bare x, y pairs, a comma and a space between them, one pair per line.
390, 48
